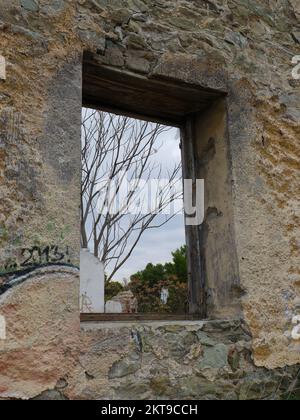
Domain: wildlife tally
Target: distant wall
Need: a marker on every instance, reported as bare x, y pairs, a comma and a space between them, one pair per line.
91, 283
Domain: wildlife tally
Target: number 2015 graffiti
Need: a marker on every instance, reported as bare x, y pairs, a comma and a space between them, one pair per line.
38, 256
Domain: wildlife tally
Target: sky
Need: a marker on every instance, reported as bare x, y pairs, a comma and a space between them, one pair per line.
156, 245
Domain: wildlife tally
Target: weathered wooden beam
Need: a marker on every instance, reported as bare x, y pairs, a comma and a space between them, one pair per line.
137, 317
196, 273
139, 96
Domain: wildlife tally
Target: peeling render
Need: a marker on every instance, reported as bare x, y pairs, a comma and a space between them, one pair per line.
19, 277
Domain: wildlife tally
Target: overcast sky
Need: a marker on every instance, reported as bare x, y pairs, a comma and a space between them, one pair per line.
157, 244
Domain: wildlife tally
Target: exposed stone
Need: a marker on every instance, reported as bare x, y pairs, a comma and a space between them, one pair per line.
125, 367
98, 41
58, 5
133, 391
205, 339
236, 39
196, 351
234, 359
138, 5
135, 41
296, 37
114, 55
139, 61
54, 8
161, 385
215, 357
173, 328
30, 5
292, 106
180, 22
296, 7
104, 361
121, 16
139, 17
50, 395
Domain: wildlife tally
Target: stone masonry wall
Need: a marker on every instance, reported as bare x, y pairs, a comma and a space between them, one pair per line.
244, 47
47, 356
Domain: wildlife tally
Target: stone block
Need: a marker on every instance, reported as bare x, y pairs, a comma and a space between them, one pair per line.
2, 68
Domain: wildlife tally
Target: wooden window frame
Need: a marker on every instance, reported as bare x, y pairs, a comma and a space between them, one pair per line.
171, 103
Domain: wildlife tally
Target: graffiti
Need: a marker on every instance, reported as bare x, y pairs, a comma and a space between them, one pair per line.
31, 261
15, 279
39, 256
86, 304
36, 257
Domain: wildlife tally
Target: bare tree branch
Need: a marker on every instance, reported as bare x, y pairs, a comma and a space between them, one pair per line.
115, 149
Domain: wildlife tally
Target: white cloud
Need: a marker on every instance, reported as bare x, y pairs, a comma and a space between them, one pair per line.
156, 245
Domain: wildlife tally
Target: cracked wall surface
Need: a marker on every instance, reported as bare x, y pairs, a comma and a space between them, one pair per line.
244, 48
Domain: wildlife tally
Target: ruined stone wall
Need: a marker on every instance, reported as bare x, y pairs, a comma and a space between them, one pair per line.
244, 47
46, 356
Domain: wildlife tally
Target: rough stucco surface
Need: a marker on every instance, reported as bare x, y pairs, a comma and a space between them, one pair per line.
42, 337
239, 46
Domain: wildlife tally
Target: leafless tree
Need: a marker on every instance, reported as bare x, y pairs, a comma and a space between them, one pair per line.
115, 148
